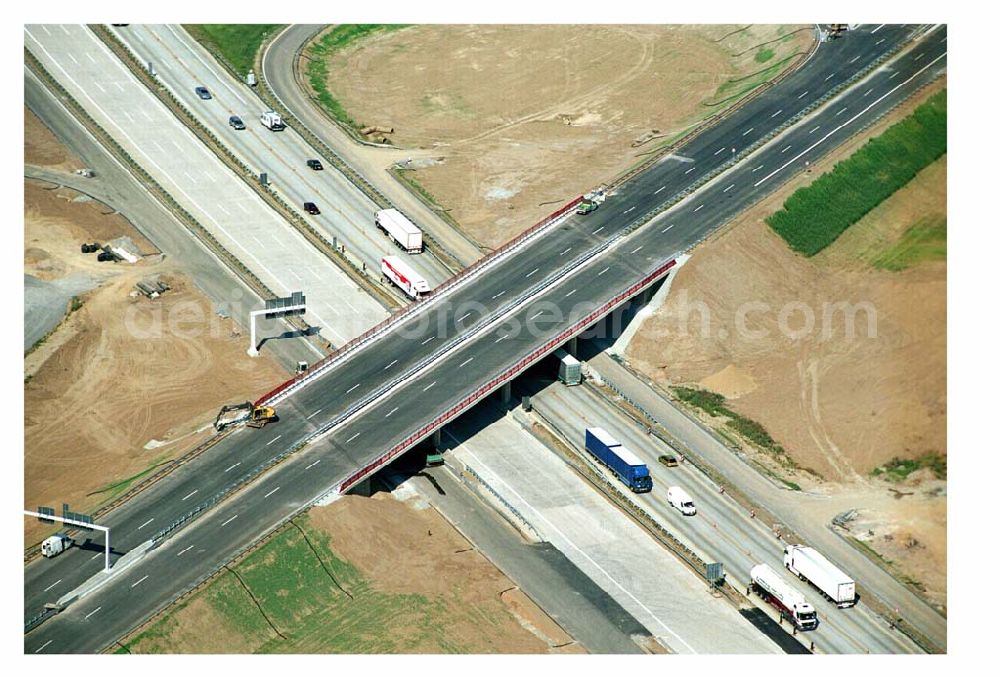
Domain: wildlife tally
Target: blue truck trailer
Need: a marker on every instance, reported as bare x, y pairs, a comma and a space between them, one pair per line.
620, 460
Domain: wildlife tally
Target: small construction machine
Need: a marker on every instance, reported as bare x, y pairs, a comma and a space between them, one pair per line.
253, 416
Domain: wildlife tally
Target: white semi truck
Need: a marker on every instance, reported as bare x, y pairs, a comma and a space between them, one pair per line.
271, 120
789, 602
402, 231
396, 271
809, 565
53, 545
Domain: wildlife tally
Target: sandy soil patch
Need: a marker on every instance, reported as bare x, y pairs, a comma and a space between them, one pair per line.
522, 118
42, 148
121, 370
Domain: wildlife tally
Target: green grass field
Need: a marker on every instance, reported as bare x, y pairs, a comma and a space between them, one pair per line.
320, 52
815, 215
925, 240
299, 593
898, 469
714, 404
237, 43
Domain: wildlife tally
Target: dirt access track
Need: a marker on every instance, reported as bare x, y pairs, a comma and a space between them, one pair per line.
506, 122
124, 382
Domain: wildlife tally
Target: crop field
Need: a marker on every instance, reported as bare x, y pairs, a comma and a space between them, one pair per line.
814, 216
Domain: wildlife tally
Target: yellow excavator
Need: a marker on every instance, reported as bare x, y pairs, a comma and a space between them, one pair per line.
253, 416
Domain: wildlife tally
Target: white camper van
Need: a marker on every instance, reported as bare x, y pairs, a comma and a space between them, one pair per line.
680, 499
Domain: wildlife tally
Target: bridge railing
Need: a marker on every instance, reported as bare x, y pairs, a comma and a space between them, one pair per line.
504, 376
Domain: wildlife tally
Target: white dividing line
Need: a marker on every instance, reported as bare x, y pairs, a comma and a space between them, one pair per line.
729, 188
943, 40
877, 29
139, 581
73, 57
532, 272
144, 524
638, 248
814, 129
867, 92
880, 42
313, 414
562, 253
573, 545
64, 30
352, 438
271, 492
568, 295
228, 213
427, 340
542, 311
184, 550
847, 122
500, 339
394, 410
657, 191
803, 94
894, 74
44, 28
465, 363
602, 227
352, 388
776, 113
718, 151
192, 179
91, 57
854, 59
430, 386
662, 231
698, 207
208, 175
128, 115
92, 613
786, 148
828, 77
598, 275
840, 111
52, 586
96, 556
689, 171
918, 57
315, 462
464, 316
229, 520
758, 167
750, 130
100, 87
190, 495
231, 467
273, 441
39, 649
624, 212
120, 86
390, 364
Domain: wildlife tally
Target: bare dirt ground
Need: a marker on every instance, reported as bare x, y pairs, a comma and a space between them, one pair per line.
42, 148
120, 371
508, 122
840, 406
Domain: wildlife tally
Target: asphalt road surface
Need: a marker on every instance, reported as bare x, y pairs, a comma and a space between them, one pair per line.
279, 64
364, 437
721, 531
347, 214
229, 209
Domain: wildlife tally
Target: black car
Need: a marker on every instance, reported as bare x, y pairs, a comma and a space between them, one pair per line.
314, 164
311, 207
203, 92
236, 123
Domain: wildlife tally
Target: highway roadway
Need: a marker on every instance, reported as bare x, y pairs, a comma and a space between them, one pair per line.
229, 209
354, 443
280, 70
347, 214
722, 530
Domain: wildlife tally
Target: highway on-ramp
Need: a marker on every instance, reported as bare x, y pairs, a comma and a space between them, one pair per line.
214, 536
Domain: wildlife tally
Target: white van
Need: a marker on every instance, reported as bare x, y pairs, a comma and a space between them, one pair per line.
680, 499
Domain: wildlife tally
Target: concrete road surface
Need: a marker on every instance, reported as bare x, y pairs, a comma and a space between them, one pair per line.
721, 531
347, 215
238, 218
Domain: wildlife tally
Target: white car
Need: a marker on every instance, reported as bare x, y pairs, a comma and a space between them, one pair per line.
680, 499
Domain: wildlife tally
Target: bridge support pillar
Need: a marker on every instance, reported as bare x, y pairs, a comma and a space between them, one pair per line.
571, 346
505, 392
436, 439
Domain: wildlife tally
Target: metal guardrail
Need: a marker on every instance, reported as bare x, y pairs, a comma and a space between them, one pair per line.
503, 501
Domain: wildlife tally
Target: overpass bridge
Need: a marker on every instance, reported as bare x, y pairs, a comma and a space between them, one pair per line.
395, 385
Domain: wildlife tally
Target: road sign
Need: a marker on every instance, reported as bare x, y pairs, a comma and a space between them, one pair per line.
77, 517
295, 304
715, 572
45, 510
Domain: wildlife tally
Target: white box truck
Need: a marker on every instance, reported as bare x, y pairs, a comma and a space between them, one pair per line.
681, 500
400, 229
789, 602
396, 271
809, 565
53, 545
271, 120
570, 372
